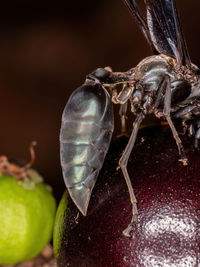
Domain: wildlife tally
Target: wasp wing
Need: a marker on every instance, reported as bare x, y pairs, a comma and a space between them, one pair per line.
135, 12
165, 30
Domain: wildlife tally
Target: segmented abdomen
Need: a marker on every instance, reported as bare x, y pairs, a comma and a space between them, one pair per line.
86, 131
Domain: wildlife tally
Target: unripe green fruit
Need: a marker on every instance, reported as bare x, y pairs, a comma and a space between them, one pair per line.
27, 210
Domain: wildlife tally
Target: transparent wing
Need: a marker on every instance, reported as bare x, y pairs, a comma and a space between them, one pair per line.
135, 12
165, 30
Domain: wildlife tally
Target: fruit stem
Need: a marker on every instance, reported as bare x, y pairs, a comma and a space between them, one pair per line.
13, 169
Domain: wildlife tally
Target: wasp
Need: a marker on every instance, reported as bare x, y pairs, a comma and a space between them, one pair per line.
166, 84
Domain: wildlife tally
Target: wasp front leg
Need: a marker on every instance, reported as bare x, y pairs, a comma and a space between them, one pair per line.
122, 99
122, 114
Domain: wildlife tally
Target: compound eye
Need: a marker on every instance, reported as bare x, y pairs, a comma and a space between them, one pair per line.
101, 73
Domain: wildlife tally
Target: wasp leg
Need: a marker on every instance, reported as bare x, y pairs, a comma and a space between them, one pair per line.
166, 113
196, 138
123, 165
196, 133
159, 95
122, 114
122, 99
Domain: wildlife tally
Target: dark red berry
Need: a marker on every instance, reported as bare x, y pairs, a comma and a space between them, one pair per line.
168, 194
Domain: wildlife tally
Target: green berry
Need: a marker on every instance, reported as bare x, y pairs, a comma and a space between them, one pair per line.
27, 211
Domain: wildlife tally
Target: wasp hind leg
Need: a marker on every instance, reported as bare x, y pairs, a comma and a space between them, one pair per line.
165, 86
123, 165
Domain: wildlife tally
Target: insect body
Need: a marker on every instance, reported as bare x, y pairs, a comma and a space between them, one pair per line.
87, 127
165, 84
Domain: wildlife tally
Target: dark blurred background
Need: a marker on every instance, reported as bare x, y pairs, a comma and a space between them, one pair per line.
46, 49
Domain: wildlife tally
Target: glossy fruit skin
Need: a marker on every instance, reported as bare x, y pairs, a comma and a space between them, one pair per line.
168, 196
26, 219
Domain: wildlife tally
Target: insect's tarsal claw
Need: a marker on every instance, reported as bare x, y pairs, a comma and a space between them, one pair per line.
130, 229
184, 161
81, 197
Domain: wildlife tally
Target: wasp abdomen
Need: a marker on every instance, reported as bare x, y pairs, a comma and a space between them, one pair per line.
86, 131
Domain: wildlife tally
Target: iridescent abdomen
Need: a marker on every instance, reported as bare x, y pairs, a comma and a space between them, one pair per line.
86, 131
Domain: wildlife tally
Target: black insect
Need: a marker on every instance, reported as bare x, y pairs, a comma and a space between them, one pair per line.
166, 84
